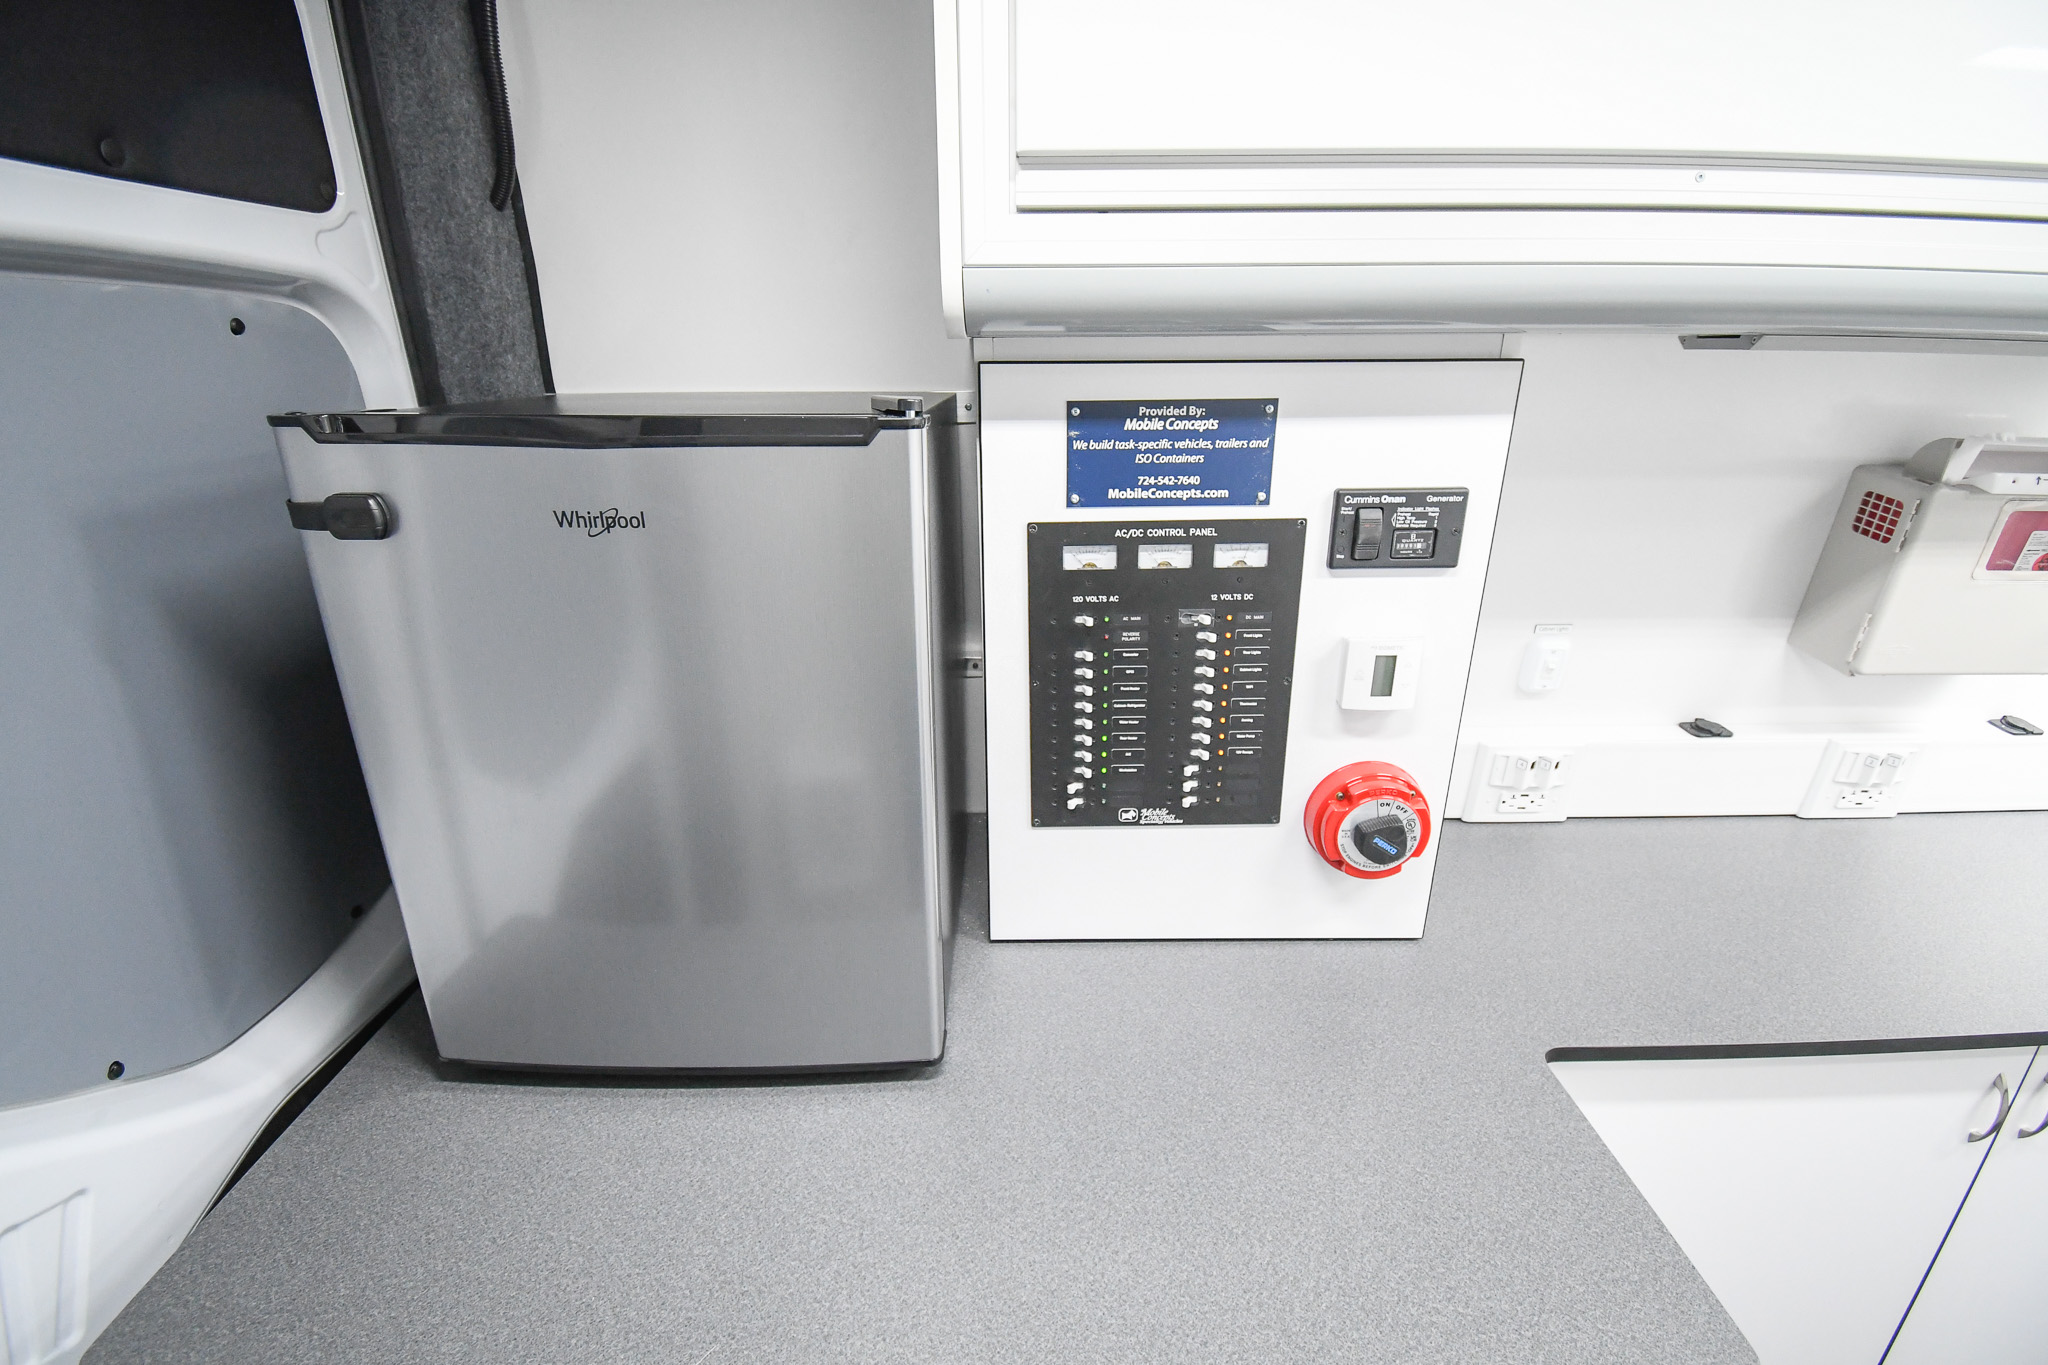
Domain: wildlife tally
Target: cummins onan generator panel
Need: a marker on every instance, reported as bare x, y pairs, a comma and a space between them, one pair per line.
1230, 610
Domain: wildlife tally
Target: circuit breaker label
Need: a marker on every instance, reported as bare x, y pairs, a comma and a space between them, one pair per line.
1212, 451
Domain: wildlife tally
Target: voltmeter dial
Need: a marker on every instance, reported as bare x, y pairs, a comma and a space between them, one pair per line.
1367, 819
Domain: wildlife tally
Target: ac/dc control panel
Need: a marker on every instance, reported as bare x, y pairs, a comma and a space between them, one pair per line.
1162, 660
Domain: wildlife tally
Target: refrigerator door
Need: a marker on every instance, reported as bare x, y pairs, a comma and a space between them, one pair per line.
651, 735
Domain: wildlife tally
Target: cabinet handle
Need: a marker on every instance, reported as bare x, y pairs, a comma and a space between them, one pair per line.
2004, 1107
2036, 1130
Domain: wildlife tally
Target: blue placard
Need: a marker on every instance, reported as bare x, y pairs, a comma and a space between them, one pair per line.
1215, 451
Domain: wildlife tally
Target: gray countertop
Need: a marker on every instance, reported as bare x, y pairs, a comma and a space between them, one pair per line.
1137, 1151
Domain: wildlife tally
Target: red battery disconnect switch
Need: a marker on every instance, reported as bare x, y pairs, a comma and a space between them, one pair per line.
1367, 819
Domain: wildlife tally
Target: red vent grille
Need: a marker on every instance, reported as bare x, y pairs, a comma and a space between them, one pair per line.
1877, 516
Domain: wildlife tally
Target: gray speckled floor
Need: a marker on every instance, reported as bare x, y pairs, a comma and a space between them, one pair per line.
1135, 1152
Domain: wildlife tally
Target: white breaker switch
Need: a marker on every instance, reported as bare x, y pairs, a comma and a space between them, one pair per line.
1517, 783
1858, 779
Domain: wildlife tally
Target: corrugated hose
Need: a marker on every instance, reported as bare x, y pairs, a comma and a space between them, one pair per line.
504, 167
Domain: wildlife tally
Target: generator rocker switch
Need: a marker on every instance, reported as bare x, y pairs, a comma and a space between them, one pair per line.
1397, 528
1365, 538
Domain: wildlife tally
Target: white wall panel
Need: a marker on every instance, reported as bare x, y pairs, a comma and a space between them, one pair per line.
1669, 504
732, 195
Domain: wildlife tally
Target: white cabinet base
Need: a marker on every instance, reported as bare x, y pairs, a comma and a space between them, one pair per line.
1986, 1299
1810, 1192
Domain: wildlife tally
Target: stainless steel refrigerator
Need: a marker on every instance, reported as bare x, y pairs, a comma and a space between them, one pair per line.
649, 694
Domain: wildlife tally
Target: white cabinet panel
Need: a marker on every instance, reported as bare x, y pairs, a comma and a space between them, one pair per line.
1986, 1300
1891, 80
1810, 1192
1204, 166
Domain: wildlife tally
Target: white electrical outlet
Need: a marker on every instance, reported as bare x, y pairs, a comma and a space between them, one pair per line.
1859, 777
1517, 783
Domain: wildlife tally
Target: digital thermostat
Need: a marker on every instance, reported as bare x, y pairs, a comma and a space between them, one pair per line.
1397, 528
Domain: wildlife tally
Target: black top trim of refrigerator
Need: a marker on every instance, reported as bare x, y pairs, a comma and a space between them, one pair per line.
599, 421
1853, 1048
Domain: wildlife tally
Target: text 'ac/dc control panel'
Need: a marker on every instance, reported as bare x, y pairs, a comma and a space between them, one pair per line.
1398, 528
1162, 659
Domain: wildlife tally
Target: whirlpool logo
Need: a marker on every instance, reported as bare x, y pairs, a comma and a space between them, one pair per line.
601, 523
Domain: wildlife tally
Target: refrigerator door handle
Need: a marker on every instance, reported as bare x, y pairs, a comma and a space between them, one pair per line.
345, 516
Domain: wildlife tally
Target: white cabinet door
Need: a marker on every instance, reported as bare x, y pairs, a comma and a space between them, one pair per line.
1810, 1192
1986, 1300
1741, 79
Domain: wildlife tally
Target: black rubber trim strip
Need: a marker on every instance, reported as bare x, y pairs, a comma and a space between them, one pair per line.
1712, 1051
589, 431
540, 322
520, 1073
